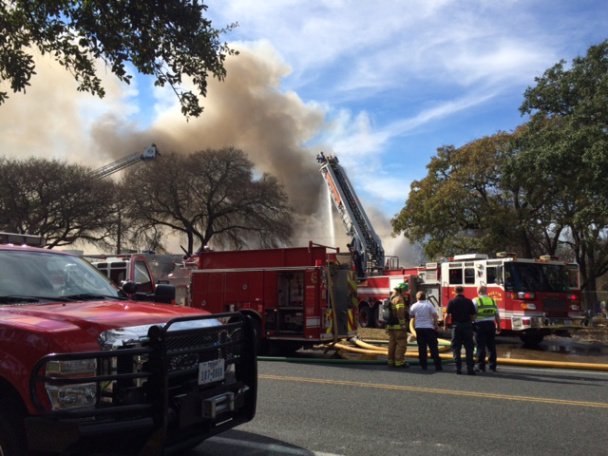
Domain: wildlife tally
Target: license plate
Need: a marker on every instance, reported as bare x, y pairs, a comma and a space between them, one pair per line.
211, 371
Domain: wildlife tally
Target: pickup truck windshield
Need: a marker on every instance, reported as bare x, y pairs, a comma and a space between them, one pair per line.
33, 276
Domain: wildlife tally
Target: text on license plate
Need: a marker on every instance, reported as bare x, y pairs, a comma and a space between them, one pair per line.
210, 371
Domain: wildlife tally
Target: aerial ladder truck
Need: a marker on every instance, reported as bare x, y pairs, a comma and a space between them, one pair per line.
378, 274
366, 246
150, 153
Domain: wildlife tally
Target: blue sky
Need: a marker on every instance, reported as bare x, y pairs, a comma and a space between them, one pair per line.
382, 84
403, 78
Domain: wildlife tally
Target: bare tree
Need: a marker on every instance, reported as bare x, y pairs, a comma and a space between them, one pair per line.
55, 200
211, 196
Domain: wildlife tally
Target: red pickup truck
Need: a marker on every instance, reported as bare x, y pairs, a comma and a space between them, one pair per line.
83, 367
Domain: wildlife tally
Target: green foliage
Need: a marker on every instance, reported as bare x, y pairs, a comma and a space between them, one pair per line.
168, 39
539, 190
465, 204
210, 196
566, 148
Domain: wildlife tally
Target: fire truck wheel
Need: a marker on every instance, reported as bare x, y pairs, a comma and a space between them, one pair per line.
366, 318
262, 344
12, 441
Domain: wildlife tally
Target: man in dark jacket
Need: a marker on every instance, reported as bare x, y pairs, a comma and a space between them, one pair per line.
461, 311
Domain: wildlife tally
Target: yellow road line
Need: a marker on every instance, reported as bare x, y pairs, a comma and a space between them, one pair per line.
446, 392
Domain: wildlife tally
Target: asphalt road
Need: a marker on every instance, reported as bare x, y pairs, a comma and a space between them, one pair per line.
363, 410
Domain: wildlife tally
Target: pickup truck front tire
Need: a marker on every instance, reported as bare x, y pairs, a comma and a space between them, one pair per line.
12, 441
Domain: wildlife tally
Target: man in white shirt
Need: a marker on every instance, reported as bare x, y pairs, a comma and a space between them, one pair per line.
425, 324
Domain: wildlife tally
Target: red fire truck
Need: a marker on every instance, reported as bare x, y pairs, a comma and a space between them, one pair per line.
375, 288
297, 296
535, 296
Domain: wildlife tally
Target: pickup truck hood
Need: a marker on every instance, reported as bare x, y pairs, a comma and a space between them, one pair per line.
77, 326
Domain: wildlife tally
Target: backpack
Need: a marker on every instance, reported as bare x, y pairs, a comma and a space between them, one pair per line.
386, 310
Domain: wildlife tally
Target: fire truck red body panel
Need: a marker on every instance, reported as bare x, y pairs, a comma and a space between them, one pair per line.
296, 294
373, 290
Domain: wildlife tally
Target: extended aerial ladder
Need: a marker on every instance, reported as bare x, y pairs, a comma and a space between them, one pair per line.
149, 154
366, 246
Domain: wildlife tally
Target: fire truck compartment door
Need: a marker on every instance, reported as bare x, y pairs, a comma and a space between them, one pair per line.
342, 299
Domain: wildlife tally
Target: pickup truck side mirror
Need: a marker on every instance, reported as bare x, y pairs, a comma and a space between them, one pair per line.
164, 293
129, 288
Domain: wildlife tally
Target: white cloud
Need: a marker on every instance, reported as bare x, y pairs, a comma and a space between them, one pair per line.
447, 108
372, 46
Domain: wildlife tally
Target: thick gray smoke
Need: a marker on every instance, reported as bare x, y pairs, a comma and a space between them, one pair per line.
248, 110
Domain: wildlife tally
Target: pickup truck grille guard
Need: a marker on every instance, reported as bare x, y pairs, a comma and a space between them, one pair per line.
157, 384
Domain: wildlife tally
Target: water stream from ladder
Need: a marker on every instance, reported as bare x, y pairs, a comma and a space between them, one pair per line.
329, 207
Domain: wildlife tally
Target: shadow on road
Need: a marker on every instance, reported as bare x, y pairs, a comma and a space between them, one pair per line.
247, 444
547, 377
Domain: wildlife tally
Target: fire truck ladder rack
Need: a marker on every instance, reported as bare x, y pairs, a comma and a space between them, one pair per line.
365, 240
149, 154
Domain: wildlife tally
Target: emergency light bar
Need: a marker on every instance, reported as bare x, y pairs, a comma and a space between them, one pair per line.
21, 239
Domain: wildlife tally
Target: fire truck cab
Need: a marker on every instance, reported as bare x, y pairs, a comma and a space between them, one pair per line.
534, 296
122, 268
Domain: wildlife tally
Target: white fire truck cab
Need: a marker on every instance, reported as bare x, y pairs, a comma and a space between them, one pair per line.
534, 296
122, 268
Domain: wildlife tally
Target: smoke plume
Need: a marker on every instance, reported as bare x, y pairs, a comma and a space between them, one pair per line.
248, 110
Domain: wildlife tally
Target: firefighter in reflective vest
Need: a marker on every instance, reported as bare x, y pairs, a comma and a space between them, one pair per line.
487, 325
397, 328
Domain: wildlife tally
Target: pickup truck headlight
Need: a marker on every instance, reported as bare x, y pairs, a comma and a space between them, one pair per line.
79, 395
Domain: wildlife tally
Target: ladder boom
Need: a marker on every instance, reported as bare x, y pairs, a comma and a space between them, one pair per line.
366, 243
149, 154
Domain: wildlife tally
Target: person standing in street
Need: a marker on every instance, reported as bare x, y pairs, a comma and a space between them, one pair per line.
461, 312
487, 324
397, 328
425, 322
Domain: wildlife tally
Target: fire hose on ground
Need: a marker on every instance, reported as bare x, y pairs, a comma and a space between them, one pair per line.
357, 347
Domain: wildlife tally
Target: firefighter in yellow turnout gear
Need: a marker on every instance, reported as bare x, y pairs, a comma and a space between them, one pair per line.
397, 328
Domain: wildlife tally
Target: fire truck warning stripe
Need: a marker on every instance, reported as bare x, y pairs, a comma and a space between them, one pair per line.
445, 392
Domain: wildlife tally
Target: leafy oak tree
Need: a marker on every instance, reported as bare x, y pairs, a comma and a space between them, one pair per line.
57, 201
538, 190
168, 39
212, 197
566, 151
466, 203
